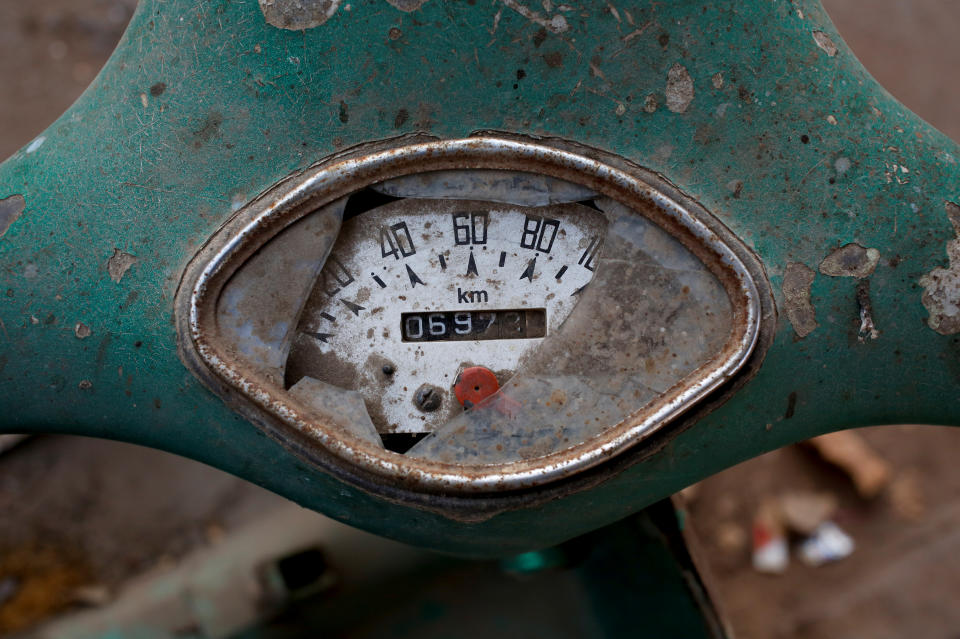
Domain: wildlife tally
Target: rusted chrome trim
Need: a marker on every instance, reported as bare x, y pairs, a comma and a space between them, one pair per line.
384, 471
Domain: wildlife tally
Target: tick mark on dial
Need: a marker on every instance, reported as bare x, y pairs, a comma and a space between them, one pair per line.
528, 272
320, 336
563, 269
376, 278
328, 317
472, 265
503, 258
414, 279
356, 308
443, 263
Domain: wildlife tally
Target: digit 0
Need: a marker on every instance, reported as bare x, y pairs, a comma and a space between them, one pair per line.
414, 326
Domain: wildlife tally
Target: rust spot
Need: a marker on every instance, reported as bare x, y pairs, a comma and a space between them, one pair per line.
554, 59
157, 89
539, 37
82, 331
791, 405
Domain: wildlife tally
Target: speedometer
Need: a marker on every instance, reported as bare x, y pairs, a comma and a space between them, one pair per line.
470, 316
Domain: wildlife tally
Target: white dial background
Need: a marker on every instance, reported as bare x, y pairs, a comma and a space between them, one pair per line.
350, 331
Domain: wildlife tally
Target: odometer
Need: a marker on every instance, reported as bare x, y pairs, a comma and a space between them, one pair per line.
473, 325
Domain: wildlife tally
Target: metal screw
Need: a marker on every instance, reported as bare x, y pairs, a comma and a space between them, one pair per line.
428, 398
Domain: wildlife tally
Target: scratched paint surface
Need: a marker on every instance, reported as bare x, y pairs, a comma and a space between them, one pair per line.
740, 104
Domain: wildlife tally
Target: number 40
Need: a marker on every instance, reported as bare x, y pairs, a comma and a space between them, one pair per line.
397, 239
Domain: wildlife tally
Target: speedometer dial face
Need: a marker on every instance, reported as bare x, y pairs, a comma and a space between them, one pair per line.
416, 290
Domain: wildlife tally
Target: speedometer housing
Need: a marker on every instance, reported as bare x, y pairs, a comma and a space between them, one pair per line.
339, 310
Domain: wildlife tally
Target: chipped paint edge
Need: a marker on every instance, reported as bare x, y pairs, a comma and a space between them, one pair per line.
941, 286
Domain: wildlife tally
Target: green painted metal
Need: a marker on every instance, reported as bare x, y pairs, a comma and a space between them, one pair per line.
204, 105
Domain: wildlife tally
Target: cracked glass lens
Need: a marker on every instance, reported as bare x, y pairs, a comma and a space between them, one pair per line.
576, 310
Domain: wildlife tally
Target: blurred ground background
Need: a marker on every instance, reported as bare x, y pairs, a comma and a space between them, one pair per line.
81, 513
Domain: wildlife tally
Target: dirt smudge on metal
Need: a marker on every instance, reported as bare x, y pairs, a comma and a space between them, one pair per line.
554, 59
850, 260
208, 130
11, 208
941, 286
791, 405
735, 187
119, 263
679, 88
825, 42
297, 15
797, 279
